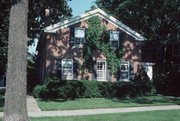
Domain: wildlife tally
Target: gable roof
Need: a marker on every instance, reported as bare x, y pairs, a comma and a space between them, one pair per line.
97, 12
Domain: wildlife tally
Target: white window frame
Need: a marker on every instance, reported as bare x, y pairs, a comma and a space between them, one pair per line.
79, 28
66, 76
125, 71
173, 49
112, 39
78, 38
101, 71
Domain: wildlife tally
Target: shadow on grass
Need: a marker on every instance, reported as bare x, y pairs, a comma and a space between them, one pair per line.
1, 101
147, 100
137, 100
53, 100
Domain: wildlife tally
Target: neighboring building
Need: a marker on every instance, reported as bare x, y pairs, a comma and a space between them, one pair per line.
60, 49
165, 56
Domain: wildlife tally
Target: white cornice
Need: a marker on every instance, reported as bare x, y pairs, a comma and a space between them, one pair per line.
96, 12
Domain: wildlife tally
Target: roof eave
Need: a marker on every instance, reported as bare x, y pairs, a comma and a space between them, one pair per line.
99, 12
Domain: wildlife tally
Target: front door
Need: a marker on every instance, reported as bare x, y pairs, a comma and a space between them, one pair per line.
101, 70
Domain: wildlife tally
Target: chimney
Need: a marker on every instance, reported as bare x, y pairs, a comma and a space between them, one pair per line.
47, 17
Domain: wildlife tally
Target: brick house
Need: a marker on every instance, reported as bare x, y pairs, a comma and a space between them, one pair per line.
60, 49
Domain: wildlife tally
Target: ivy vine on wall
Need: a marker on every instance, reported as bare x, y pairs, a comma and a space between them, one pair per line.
97, 38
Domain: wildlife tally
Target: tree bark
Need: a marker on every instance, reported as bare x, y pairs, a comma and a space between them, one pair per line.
15, 96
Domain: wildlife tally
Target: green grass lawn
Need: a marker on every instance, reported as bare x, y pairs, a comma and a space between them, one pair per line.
1, 102
58, 104
168, 115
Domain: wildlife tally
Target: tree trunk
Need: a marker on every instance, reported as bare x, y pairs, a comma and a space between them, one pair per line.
15, 96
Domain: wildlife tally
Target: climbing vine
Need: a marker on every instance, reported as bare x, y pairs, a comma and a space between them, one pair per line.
97, 38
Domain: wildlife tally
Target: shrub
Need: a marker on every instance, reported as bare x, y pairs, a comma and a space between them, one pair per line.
91, 89
71, 89
40, 91
167, 83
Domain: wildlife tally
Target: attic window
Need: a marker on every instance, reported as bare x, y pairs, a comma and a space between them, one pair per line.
114, 39
79, 37
79, 32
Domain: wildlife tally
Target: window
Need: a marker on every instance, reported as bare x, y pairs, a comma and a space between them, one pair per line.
124, 71
176, 49
79, 36
67, 69
101, 70
114, 39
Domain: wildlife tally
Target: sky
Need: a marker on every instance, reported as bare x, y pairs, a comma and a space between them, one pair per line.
78, 8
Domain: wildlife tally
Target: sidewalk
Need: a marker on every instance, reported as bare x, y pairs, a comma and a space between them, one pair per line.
32, 105
98, 111
34, 110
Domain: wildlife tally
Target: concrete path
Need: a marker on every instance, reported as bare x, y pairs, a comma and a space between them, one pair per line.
98, 111
32, 105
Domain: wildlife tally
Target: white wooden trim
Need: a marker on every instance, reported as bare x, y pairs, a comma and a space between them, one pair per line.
125, 63
103, 79
62, 69
97, 12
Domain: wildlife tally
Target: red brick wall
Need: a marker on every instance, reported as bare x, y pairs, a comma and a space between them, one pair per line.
58, 46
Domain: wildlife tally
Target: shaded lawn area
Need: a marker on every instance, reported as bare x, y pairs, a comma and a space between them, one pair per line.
168, 115
1, 103
90, 103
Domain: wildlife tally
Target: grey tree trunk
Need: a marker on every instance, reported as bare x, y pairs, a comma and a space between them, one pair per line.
15, 96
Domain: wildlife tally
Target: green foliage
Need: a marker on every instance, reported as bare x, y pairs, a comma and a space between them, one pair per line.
4, 16
167, 83
156, 20
71, 89
39, 91
31, 72
98, 39
90, 89
59, 11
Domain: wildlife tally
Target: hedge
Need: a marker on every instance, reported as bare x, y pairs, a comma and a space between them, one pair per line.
71, 89
167, 83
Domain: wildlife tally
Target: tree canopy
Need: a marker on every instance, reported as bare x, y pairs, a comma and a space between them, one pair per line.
154, 19
59, 11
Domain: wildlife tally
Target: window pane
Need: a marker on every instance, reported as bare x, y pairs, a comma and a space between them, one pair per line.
114, 43
67, 72
124, 67
114, 35
124, 75
67, 67
80, 32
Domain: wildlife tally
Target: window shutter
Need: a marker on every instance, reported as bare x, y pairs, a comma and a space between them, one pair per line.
75, 69
59, 68
131, 69
71, 41
94, 74
108, 76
